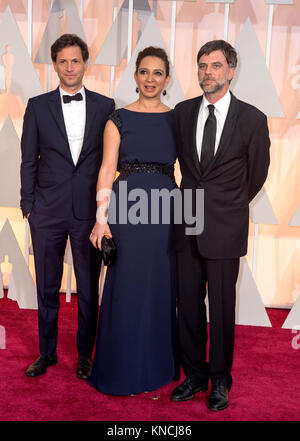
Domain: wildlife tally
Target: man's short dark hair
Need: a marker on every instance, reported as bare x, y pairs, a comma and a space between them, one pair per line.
219, 45
67, 40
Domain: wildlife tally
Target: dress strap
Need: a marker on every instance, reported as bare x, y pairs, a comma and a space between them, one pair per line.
116, 119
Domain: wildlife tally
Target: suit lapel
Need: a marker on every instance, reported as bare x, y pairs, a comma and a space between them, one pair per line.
193, 132
91, 108
57, 113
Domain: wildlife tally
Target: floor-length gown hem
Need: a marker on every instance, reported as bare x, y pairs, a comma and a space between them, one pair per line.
125, 394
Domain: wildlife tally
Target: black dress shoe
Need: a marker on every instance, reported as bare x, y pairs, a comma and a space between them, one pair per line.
219, 398
186, 390
84, 368
40, 365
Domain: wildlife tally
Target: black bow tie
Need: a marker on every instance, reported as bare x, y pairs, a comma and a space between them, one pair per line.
69, 98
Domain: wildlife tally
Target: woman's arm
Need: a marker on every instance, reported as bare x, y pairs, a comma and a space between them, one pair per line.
106, 177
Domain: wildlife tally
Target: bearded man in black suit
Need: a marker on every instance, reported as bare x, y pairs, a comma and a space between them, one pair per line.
223, 149
61, 156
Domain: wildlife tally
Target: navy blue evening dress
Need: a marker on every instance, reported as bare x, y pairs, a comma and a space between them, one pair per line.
135, 347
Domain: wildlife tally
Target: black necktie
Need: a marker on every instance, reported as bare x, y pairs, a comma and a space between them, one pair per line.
69, 98
209, 139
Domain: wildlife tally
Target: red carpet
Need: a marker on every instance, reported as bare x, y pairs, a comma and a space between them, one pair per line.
265, 373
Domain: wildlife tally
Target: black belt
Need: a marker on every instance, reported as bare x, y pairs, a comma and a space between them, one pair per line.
145, 167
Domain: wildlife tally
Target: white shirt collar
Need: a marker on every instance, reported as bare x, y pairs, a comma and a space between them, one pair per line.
222, 105
63, 92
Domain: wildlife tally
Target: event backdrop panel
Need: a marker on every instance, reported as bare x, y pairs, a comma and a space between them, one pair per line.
266, 36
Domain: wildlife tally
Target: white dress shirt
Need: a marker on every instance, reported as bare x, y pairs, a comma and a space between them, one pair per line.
221, 110
74, 116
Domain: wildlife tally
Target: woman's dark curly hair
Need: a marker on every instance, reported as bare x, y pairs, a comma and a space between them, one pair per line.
152, 51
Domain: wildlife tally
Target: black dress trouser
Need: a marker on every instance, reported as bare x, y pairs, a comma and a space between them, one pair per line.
197, 276
49, 238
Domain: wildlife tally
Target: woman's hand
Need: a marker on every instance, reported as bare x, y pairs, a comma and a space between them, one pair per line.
98, 232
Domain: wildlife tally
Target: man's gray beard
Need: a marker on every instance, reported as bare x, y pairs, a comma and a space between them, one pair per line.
216, 88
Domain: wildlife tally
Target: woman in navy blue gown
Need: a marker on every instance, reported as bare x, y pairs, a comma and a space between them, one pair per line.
135, 348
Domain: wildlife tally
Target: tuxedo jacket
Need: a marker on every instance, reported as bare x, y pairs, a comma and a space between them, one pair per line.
236, 174
50, 181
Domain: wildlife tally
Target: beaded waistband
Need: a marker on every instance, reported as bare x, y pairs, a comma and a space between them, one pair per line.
145, 167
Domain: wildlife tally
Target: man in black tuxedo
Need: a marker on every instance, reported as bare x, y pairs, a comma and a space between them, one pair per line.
61, 155
223, 148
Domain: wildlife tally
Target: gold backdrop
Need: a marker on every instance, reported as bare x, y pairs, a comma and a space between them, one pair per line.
278, 245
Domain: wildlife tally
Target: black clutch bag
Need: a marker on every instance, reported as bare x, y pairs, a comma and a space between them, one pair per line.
108, 250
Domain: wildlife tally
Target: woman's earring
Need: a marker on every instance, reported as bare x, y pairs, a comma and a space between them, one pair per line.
137, 90
164, 92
